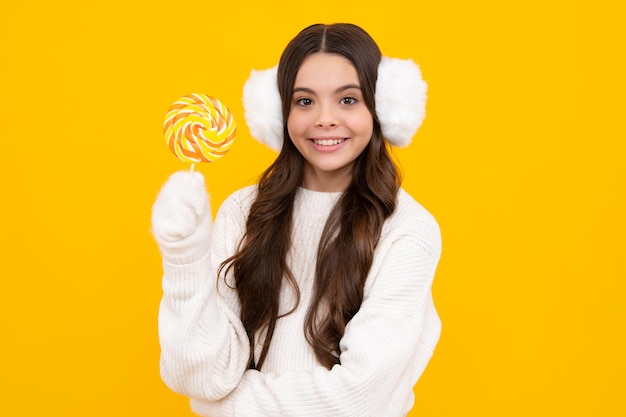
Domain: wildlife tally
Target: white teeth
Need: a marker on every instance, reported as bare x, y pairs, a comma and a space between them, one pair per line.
328, 142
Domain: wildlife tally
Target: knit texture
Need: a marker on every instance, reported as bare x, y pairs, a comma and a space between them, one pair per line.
384, 350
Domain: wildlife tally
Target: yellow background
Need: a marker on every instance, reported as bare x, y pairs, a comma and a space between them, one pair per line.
521, 159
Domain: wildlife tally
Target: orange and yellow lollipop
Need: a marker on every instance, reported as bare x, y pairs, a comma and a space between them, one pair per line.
199, 128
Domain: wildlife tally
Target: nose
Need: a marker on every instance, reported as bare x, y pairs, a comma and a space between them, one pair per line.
326, 117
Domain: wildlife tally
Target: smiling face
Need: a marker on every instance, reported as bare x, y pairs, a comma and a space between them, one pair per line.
328, 121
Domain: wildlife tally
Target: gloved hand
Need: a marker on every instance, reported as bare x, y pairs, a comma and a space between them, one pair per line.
181, 217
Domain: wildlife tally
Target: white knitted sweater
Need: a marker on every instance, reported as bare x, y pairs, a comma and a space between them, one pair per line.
384, 350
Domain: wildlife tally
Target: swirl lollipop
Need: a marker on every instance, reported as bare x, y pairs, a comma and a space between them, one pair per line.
199, 128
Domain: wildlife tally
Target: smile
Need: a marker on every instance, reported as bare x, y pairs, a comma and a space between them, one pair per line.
328, 142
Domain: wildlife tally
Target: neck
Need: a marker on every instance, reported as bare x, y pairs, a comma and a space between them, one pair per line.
327, 181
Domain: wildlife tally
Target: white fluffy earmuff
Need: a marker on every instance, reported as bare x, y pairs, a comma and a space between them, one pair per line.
400, 103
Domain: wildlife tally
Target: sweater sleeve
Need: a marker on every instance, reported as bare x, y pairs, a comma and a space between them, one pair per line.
204, 347
384, 350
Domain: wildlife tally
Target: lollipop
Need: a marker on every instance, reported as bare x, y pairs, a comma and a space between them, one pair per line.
199, 128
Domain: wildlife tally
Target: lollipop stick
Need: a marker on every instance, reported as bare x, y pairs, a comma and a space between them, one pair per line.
191, 169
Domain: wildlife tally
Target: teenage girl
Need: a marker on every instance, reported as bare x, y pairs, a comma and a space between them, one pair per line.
310, 295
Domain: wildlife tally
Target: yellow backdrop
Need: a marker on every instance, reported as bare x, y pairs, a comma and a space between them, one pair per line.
521, 159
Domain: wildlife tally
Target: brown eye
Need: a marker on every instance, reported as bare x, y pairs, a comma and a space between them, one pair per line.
304, 101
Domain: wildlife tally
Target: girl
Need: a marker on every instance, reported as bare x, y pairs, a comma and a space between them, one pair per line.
311, 293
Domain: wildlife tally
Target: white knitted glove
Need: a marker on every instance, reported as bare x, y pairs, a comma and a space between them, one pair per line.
181, 218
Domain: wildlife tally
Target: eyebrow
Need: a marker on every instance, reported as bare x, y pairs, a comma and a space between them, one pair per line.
338, 90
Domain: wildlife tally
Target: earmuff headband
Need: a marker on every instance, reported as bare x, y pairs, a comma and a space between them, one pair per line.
400, 103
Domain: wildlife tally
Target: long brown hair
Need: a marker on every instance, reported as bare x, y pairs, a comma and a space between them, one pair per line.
346, 248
